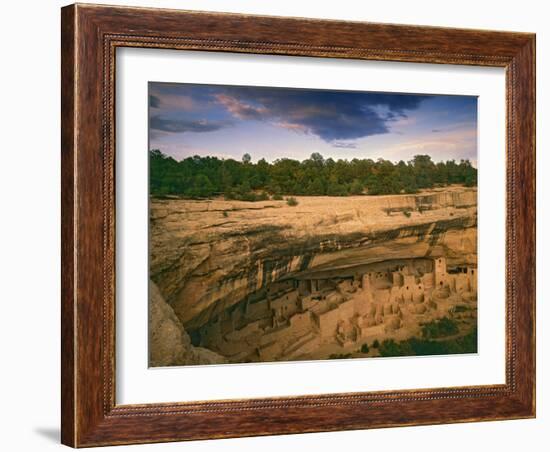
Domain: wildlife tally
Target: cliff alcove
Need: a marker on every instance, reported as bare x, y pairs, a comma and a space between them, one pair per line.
212, 258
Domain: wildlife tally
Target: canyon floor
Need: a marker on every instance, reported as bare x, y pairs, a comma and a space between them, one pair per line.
224, 268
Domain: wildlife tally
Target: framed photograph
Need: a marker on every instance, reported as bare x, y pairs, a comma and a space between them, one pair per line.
281, 225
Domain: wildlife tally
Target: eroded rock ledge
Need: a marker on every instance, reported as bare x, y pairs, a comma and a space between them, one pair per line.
207, 256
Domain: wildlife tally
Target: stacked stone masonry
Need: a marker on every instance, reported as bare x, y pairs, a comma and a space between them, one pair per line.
299, 317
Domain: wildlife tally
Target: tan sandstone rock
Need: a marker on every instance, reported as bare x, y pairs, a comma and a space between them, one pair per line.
169, 343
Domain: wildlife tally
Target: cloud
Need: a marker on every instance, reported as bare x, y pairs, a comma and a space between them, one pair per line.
330, 115
183, 125
299, 128
445, 145
154, 101
179, 103
172, 102
241, 109
342, 145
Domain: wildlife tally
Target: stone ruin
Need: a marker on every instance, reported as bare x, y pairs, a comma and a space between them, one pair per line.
298, 317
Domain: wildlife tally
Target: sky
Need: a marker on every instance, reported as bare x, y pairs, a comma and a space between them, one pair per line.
272, 123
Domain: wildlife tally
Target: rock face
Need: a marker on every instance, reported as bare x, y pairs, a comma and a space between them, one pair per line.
169, 344
207, 256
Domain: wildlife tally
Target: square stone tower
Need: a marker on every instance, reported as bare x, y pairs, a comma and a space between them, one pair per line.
365, 282
440, 271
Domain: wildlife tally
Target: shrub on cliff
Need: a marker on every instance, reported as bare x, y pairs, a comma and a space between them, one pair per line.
439, 328
292, 201
424, 347
391, 348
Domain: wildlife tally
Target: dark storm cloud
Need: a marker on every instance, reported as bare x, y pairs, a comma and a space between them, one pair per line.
182, 125
154, 101
397, 104
331, 115
279, 122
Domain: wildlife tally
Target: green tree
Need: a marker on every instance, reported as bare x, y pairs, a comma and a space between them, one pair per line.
356, 187
317, 158
201, 187
424, 171
198, 176
316, 187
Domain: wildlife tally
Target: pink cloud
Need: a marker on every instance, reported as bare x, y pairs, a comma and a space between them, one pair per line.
241, 109
298, 128
441, 146
176, 102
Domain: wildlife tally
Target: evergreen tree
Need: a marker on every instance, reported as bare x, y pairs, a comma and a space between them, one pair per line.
209, 176
356, 187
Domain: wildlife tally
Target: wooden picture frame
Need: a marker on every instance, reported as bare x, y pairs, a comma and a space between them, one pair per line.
90, 36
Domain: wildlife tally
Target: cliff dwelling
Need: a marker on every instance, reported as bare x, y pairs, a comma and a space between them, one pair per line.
316, 315
264, 281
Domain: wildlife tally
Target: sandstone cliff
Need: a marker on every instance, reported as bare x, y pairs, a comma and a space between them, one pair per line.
208, 255
169, 344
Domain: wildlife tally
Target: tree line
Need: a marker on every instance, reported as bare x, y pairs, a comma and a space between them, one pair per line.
203, 177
